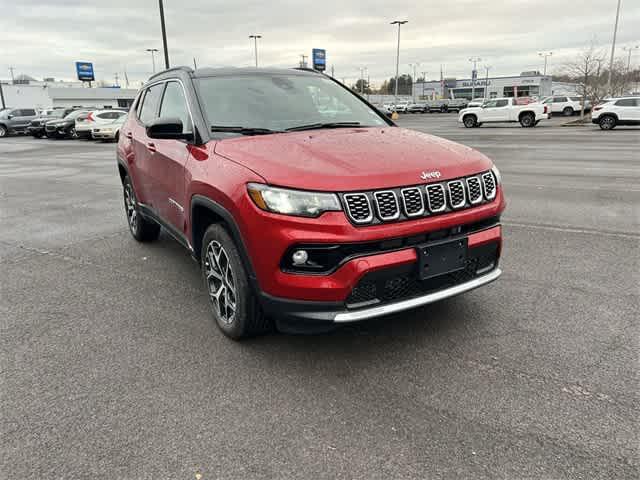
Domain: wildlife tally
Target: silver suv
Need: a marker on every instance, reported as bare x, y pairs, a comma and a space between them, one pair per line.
15, 120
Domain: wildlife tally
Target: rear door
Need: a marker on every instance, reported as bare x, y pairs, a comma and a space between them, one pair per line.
626, 109
558, 104
21, 118
170, 158
496, 110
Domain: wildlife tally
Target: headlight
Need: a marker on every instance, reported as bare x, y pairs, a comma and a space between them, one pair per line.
292, 202
496, 173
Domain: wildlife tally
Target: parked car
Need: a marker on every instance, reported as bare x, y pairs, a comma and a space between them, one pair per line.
299, 216
445, 105
617, 111
566, 105
109, 131
87, 122
504, 110
36, 127
15, 120
476, 102
417, 108
401, 107
63, 128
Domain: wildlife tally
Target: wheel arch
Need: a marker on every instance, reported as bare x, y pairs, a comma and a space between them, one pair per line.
524, 112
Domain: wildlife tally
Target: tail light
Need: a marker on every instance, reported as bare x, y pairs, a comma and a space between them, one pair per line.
545, 109
598, 107
90, 117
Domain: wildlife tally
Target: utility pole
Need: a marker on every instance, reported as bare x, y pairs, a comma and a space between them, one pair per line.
164, 35
613, 49
116, 79
486, 82
474, 75
545, 55
629, 49
153, 58
255, 45
413, 80
2, 96
441, 82
424, 80
399, 23
195, 65
13, 80
332, 72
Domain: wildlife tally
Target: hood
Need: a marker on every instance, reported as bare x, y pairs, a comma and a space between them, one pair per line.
352, 159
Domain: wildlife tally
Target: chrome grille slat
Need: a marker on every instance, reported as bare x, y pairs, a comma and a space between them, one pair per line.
474, 190
358, 207
457, 198
412, 201
436, 198
489, 186
387, 205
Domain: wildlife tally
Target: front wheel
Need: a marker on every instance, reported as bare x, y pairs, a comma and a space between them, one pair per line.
142, 229
234, 305
470, 121
567, 112
527, 120
607, 122
3, 131
37, 135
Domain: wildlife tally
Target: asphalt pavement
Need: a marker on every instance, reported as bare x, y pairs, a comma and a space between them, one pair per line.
110, 366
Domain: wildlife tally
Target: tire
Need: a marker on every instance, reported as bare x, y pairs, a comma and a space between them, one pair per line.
37, 135
234, 305
527, 120
470, 121
72, 133
607, 122
537, 122
567, 111
141, 228
117, 136
3, 131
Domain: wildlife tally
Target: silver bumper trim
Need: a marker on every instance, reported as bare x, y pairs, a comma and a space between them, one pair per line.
416, 302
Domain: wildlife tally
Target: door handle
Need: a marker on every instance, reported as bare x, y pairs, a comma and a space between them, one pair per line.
151, 147
129, 135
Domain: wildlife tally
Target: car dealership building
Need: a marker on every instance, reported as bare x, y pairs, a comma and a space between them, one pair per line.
527, 84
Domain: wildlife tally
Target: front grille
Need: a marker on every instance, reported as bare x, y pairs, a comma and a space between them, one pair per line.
435, 198
401, 283
412, 201
419, 201
474, 190
35, 123
456, 194
489, 185
387, 205
358, 207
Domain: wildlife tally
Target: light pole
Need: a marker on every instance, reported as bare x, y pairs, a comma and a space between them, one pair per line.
629, 49
164, 35
255, 44
486, 82
424, 80
399, 23
545, 55
613, 49
153, 57
362, 72
413, 80
474, 75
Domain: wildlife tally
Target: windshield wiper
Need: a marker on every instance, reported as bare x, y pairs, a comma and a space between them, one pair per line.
243, 130
317, 126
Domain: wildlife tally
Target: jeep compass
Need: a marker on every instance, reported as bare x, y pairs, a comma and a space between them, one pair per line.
304, 205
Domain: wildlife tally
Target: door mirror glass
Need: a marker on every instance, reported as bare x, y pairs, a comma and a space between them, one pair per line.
169, 128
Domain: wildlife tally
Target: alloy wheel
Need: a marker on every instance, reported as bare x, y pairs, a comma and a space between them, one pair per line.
130, 206
221, 282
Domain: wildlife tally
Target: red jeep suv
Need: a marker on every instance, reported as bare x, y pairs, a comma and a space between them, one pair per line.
303, 204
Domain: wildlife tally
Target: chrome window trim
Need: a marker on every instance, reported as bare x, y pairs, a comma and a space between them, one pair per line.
484, 186
480, 197
348, 208
395, 199
165, 81
444, 197
464, 195
404, 203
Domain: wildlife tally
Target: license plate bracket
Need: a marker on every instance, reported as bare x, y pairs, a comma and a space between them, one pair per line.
435, 259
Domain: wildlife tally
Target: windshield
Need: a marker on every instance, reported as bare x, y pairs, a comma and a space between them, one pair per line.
280, 101
75, 114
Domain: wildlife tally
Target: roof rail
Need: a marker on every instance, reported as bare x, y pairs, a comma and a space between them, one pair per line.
182, 68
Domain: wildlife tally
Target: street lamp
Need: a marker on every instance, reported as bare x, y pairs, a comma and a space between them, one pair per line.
362, 72
153, 58
255, 43
486, 82
164, 35
545, 55
630, 49
424, 80
474, 75
413, 80
613, 49
399, 23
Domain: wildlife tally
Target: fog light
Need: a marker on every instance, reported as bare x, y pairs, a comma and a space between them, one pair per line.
300, 257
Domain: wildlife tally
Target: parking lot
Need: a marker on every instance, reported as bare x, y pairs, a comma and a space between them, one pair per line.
112, 368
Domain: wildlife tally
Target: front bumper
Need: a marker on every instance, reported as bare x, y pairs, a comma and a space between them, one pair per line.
102, 135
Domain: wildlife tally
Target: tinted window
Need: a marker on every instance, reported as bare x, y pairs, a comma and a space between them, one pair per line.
281, 101
502, 103
490, 104
559, 99
149, 109
626, 102
576, 99
105, 115
174, 104
25, 112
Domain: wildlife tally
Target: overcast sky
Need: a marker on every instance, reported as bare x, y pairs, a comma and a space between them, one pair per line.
44, 37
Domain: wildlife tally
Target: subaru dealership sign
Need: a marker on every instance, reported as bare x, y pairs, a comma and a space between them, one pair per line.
85, 71
319, 56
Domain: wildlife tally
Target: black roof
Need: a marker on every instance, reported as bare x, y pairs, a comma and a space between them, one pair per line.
212, 72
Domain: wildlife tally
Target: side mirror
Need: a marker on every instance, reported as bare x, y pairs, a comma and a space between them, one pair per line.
167, 129
9, 117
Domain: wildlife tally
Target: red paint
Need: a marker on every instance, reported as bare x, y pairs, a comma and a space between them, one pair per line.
486, 236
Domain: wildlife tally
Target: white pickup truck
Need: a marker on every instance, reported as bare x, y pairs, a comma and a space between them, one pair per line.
504, 110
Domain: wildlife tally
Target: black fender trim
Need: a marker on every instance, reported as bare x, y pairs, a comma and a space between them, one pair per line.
234, 231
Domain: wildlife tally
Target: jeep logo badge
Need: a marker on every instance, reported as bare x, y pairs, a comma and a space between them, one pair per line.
430, 175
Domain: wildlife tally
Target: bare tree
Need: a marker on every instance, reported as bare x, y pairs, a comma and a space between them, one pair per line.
586, 69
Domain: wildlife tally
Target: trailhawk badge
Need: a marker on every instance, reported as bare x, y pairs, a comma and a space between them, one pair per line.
430, 175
